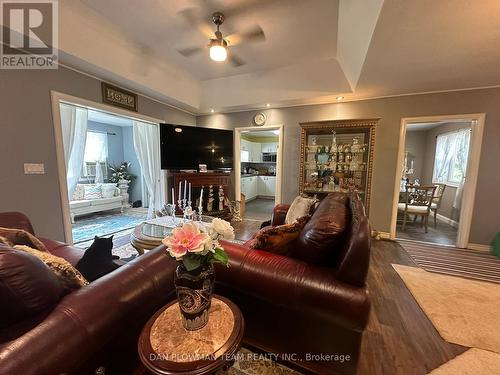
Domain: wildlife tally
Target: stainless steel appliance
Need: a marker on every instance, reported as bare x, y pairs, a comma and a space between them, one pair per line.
269, 156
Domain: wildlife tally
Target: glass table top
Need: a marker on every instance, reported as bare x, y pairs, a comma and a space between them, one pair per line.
164, 225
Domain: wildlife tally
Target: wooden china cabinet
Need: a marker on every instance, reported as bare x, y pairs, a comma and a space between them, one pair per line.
337, 155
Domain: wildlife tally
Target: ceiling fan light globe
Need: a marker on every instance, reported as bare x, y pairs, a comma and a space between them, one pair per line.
218, 53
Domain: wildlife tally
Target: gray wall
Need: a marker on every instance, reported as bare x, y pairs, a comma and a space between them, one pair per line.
486, 215
27, 136
415, 144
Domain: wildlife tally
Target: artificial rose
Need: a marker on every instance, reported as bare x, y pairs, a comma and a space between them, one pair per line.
186, 239
223, 228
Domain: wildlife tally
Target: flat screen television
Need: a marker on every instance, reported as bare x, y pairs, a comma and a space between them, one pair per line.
186, 147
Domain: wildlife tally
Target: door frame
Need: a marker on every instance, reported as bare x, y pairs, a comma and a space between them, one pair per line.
56, 99
477, 121
279, 161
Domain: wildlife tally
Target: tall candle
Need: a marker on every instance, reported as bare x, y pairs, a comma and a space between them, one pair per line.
189, 199
185, 188
201, 199
180, 190
173, 196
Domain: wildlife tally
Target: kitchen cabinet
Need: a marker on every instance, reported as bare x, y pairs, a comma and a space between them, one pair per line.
266, 186
245, 145
255, 152
270, 147
249, 187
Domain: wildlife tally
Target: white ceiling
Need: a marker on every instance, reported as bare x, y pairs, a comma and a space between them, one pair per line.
315, 50
108, 119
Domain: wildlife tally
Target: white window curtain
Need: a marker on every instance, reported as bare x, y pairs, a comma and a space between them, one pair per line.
74, 132
96, 148
147, 149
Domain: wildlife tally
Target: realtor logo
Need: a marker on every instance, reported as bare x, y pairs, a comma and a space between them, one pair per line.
29, 38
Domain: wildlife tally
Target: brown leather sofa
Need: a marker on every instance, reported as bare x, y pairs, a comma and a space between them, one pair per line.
308, 312
94, 327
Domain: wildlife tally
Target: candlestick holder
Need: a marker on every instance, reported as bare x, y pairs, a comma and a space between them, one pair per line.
188, 212
200, 212
170, 210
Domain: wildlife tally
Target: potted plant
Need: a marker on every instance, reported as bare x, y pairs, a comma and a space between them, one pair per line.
120, 175
196, 248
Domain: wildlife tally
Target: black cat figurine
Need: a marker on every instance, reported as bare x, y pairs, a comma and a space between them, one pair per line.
98, 259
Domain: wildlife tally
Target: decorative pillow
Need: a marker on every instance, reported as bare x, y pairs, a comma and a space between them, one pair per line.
79, 192
108, 190
322, 239
92, 192
21, 237
68, 276
5, 241
27, 286
301, 206
277, 239
98, 259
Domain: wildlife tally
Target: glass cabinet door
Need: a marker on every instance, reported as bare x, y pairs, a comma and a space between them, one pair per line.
337, 156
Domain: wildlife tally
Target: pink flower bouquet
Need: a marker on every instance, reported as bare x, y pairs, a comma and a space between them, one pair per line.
196, 244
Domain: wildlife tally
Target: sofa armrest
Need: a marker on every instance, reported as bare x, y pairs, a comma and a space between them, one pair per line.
16, 220
279, 214
88, 320
295, 284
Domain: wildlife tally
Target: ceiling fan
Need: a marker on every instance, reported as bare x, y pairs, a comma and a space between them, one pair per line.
217, 44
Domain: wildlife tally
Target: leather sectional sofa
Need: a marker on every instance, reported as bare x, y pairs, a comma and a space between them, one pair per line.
311, 314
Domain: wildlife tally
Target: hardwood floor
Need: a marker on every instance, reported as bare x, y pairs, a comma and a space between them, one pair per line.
443, 234
259, 209
399, 339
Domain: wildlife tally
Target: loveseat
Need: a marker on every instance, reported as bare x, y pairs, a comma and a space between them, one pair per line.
93, 330
311, 309
106, 196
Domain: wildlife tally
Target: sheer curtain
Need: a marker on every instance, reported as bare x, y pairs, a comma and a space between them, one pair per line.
147, 149
74, 133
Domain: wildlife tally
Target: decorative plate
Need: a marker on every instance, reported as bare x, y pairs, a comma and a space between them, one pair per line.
259, 119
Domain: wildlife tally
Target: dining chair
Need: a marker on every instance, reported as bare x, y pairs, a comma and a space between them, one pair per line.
418, 200
436, 201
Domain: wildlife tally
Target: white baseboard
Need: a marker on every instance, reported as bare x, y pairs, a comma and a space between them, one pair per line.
479, 247
447, 220
381, 235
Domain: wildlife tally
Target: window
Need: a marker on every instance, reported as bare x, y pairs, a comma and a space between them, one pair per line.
96, 151
450, 161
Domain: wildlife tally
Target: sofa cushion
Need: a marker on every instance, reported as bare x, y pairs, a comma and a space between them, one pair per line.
300, 207
21, 237
79, 204
277, 239
68, 276
27, 286
71, 253
109, 190
79, 192
92, 192
101, 201
322, 238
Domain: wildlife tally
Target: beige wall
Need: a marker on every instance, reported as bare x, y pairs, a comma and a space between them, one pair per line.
27, 135
415, 144
486, 215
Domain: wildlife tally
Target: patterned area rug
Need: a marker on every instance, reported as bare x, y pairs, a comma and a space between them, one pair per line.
106, 223
471, 264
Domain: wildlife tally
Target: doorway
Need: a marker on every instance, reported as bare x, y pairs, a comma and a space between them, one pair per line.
436, 179
104, 170
258, 170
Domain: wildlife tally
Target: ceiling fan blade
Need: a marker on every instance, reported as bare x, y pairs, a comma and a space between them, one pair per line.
235, 60
189, 51
192, 17
255, 34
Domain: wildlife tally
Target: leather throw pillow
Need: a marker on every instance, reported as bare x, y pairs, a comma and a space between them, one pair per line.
21, 237
300, 207
277, 240
68, 276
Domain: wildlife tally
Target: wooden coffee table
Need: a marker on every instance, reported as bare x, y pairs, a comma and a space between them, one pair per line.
165, 347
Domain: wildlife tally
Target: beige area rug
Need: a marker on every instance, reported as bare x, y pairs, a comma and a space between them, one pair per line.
465, 312
472, 362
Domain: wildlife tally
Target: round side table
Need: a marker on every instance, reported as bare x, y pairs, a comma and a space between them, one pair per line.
165, 347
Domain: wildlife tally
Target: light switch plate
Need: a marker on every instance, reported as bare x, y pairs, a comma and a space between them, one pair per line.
34, 168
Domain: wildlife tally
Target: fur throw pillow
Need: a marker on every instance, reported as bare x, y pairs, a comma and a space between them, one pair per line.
21, 237
278, 239
301, 206
68, 276
98, 259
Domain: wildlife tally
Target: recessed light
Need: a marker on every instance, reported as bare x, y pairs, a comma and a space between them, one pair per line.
178, 130
268, 105
339, 98
212, 110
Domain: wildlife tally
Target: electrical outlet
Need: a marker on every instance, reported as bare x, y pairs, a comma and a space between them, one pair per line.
34, 168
